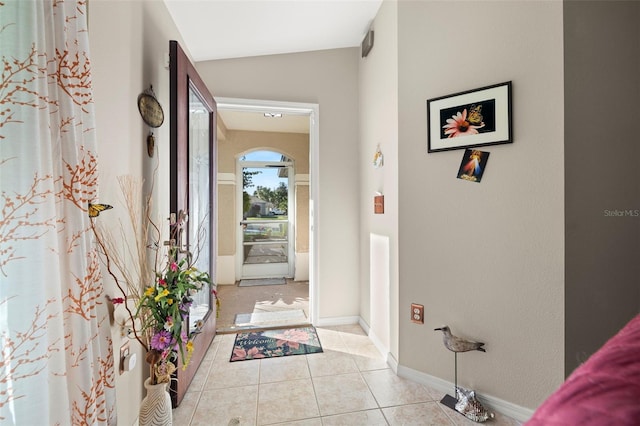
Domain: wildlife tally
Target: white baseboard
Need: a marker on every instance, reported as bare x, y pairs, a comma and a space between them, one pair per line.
379, 345
514, 411
364, 325
331, 321
392, 362
507, 408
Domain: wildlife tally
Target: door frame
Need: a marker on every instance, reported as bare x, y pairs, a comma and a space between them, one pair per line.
291, 219
298, 108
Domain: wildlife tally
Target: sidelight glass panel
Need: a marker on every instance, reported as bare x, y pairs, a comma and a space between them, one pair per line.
199, 200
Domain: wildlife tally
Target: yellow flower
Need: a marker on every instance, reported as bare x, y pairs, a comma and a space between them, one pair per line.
149, 291
170, 301
189, 346
162, 294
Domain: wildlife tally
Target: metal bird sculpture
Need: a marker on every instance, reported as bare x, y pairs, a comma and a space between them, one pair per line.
457, 344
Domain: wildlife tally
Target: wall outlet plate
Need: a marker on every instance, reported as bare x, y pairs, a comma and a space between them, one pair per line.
417, 313
124, 351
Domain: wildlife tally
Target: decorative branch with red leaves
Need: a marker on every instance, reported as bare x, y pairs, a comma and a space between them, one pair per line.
84, 296
79, 185
91, 409
125, 256
73, 76
16, 77
16, 219
20, 359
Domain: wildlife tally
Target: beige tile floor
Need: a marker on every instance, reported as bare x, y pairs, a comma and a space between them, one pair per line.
348, 384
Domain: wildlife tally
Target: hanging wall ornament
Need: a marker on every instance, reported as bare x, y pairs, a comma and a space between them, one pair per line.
152, 114
378, 159
150, 109
151, 144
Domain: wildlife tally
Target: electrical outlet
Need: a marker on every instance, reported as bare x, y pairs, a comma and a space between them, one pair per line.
417, 313
124, 351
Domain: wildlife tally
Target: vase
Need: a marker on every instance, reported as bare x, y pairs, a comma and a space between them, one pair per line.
155, 409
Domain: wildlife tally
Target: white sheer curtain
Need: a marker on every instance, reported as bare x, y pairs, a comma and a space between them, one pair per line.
57, 360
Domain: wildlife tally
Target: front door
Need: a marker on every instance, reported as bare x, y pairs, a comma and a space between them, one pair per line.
192, 180
266, 228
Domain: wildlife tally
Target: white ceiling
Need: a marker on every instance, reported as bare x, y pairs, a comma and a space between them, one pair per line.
223, 29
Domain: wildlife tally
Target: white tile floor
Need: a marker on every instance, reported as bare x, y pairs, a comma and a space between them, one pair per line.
348, 384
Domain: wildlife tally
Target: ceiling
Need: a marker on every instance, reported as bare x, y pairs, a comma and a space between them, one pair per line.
226, 29
257, 121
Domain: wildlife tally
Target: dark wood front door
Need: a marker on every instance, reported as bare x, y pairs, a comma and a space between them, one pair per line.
192, 186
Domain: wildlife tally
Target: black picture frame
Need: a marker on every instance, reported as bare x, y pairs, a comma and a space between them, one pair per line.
474, 118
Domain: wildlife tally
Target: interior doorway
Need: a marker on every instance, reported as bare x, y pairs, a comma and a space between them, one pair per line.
272, 235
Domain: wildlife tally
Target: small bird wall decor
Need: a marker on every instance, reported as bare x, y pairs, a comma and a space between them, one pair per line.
458, 344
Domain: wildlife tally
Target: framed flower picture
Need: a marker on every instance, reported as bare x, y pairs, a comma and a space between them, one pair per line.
474, 118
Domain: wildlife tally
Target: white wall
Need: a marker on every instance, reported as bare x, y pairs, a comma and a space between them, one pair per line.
486, 259
330, 79
378, 98
128, 42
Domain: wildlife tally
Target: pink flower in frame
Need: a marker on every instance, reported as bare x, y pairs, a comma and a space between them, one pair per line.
458, 125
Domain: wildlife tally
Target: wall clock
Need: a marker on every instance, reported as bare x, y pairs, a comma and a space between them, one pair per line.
150, 109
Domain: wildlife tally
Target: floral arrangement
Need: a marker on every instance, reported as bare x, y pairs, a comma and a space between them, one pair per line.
156, 311
165, 306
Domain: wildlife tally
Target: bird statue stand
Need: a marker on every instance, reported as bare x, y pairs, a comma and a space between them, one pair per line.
464, 402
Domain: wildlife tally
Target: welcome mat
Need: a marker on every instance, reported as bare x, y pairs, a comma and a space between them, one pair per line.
274, 343
262, 281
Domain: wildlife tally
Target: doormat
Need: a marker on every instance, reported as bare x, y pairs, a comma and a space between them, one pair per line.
262, 281
275, 343
261, 318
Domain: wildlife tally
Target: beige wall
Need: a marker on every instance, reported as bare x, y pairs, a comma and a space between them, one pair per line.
235, 144
378, 97
129, 41
486, 259
330, 79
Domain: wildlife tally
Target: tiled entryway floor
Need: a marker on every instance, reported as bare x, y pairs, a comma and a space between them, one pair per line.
349, 384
